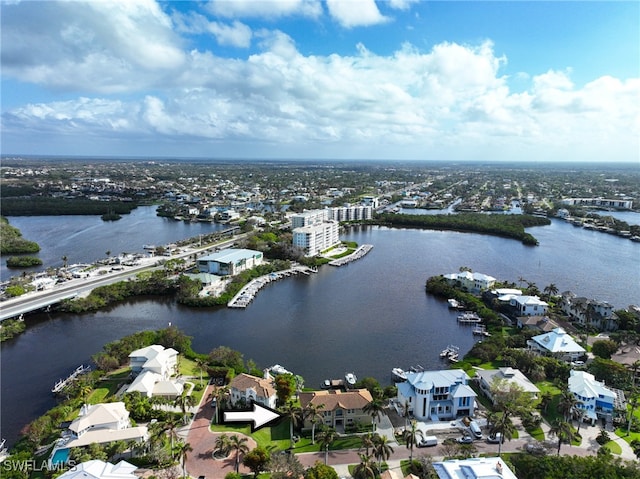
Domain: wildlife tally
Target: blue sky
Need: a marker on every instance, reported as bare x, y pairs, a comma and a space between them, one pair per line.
362, 79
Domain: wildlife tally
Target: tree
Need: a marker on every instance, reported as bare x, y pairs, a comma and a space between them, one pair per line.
634, 398
285, 385
65, 260
227, 357
327, 436
238, 445
551, 290
382, 450
504, 426
604, 348
171, 427
566, 404
181, 449
375, 409
320, 471
256, 460
563, 430
294, 414
202, 365
366, 469
411, 437
184, 402
545, 400
223, 444
284, 466
313, 412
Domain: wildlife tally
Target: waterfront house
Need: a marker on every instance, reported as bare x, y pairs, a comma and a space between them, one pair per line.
595, 399
437, 395
339, 408
97, 469
154, 368
528, 305
245, 388
229, 262
103, 423
540, 323
589, 312
473, 282
156, 359
502, 378
556, 343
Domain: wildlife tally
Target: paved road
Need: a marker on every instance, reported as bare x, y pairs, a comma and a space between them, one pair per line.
28, 302
200, 461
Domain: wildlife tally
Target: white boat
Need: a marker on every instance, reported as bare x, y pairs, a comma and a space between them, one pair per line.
449, 352
469, 317
277, 369
351, 379
454, 303
398, 375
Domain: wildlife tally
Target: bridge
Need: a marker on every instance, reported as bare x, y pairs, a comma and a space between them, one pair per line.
28, 305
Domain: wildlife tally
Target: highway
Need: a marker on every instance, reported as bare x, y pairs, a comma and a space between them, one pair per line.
32, 301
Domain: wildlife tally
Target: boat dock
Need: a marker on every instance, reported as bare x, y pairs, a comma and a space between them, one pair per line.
246, 294
357, 254
469, 317
61, 383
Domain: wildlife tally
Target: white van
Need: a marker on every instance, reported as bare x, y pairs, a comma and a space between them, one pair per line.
428, 441
475, 429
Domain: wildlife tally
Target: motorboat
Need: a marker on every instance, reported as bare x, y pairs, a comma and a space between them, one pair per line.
351, 379
398, 375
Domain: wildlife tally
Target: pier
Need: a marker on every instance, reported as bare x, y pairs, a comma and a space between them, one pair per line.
357, 254
61, 383
246, 294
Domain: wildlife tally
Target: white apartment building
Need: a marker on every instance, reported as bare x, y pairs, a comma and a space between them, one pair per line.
351, 213
317, 238
309, 218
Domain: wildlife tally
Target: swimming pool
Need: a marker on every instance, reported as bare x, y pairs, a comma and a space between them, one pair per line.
61, 456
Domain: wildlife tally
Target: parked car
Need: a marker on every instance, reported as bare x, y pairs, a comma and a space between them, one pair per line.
495, 438
428, 441
465, 440
535, 448
474, 427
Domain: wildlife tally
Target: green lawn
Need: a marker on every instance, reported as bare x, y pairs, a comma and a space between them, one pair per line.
537, 433
614, 447
622, 431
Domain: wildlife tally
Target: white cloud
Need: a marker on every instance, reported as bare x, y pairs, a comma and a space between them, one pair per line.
449, 102
236, 34
355, 13
401, 4
265, 8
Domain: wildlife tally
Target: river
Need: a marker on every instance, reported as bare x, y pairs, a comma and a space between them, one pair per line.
367, 317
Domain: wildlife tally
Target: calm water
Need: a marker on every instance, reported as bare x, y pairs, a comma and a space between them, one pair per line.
367, 317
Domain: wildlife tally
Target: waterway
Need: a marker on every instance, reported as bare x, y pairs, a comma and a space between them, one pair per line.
367, 317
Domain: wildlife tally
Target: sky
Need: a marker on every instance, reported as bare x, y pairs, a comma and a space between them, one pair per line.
332, 79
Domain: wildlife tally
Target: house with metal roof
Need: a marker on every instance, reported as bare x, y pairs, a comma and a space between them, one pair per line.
595, 399
437, 395
229, 262
471, 281
556, 343
97, 469
475, 467
503, 378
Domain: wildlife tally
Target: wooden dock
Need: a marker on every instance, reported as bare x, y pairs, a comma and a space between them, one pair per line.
61, 383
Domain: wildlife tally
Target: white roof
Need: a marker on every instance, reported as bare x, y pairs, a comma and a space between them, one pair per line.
558, 341
583, 384
530, 300
508, 374
101, 436
443, 378
230, 255
144, 382
168, 388
475, 467
96, 469
98, 414
501, 291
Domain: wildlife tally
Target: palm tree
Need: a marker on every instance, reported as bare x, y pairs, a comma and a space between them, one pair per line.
545, 400
366, 469
313, 412
182, 448
551, 290
381, 449
505, 427
184, 402
566, 404
634, 397
294, 414
634, 371
367, 442
579, 415
327, 436
563, 431
239, 446
375, 408
405, 413
171, 426
411, 437
202, 364
223, 444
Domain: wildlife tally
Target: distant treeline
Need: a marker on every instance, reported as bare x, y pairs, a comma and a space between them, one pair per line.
45, 206
13, 242
507, 226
